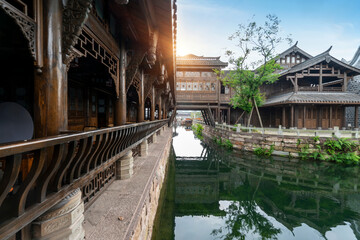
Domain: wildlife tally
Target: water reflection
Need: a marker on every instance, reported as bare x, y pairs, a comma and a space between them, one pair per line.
221, 195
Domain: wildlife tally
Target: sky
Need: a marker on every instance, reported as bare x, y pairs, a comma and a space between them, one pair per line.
204, 26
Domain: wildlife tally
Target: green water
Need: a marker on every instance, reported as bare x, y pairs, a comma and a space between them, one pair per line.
213, 194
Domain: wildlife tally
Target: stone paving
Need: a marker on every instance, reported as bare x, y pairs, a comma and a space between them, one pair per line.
126, 209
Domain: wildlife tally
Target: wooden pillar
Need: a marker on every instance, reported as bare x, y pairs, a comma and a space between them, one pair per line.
50, 90
141, 106
304, 117
160, 106
345, 82
296, 84
320, 79
218, 115
330, 117
343, 122
153, 104
292, 116
228, 116
296, 116
356, 117
283, 117
120, 104
318, 115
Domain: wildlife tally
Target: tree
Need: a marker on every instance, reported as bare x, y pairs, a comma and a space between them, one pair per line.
243, 78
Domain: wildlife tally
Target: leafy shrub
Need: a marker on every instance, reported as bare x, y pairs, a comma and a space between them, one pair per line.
197, 129
226, 143
264, 151
339, 150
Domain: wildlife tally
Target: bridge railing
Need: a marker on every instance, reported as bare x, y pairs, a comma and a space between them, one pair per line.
57, 166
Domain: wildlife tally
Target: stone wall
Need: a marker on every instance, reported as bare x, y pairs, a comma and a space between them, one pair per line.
283, 145
146, 219
354, 87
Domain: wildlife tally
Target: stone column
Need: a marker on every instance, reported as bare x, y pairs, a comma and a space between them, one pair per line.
125, 166
120, 104
154, 136
63, 221
50, 86
144, 148
141, 107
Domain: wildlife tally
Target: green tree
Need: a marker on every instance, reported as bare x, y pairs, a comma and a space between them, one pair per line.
244, 78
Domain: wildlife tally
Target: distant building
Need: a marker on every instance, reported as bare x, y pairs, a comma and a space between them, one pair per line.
197, 86
311, 91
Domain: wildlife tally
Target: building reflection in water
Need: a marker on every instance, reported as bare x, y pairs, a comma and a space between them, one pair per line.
222, 195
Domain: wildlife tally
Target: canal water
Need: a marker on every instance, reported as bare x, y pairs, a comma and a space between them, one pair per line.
210, 193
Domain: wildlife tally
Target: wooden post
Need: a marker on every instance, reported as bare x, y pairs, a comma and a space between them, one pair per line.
296, 84
153, 104
304, 116
218, 115
320, 79
345, 82
160, 106
292, 116
50, 90
318, 115
228, 116
330, 117
296, 118
141, 106
356, 117
120, 103
283, 117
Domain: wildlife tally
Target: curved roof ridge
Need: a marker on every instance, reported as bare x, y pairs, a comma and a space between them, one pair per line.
356, 57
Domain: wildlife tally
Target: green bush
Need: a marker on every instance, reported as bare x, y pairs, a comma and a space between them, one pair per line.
264, 152
339, 150
226, 143
197, 129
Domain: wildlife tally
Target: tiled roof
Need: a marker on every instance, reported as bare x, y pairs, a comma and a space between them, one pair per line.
314, 97
192, 59
325, 56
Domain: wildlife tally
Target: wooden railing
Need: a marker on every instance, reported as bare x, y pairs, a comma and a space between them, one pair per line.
61, 164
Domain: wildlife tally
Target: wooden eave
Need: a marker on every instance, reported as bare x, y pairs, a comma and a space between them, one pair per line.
295, 49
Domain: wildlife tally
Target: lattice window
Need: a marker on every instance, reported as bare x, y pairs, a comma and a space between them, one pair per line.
89, 45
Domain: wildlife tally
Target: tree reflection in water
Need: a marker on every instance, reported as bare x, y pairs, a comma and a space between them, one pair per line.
243, 217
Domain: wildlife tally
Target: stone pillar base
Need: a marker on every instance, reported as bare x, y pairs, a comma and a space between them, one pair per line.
154, 136
63, 221
144, 148
125, 166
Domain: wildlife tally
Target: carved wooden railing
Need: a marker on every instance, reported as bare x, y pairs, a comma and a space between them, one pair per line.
61, 164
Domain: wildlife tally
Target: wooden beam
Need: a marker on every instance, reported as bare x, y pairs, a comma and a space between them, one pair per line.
333, 82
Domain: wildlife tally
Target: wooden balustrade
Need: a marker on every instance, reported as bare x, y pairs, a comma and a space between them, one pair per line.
61, 164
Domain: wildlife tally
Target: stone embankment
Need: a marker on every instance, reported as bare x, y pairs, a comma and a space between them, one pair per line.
284, 145
127, 208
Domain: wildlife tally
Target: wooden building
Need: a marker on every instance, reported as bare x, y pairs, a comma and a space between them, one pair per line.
76, 66
310, 93
88, 64
197, 86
